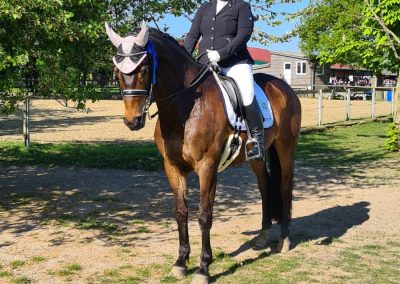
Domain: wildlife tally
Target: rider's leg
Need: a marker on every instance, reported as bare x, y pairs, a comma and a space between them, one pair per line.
243, 75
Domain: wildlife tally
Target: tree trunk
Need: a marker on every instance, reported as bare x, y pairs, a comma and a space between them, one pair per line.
396, 116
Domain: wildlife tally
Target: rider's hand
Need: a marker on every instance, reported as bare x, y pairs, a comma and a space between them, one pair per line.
213, 56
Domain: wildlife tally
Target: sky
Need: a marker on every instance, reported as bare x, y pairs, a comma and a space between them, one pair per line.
180, 25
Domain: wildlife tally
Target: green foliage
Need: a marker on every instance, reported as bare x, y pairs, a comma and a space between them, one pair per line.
360, 33
393, 142
55, 44
61, 44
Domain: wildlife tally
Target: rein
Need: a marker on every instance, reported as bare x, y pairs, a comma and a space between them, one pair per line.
204, 70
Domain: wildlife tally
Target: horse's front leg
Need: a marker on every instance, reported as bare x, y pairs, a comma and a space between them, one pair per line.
177, 180
208, 179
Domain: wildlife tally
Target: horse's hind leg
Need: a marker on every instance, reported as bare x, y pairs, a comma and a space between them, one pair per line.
260, 170
208, 180
178, 183
286, 160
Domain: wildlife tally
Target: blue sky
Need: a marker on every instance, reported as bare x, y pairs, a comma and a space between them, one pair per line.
180, 25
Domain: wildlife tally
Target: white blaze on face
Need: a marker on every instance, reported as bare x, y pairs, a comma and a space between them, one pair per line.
126, 44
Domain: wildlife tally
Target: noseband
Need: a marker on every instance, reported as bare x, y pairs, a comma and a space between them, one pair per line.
136, 92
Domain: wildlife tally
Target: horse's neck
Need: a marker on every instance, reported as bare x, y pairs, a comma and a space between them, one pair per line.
176, 71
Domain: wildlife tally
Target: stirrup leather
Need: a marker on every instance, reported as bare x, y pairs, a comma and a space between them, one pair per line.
255, 144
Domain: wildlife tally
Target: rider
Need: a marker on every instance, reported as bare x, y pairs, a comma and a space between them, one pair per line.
225, 27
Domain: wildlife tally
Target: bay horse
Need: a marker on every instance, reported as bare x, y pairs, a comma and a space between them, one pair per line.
192, 130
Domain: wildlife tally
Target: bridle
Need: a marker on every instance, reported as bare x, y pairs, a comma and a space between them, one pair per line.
153, 79
138, 92
135, 92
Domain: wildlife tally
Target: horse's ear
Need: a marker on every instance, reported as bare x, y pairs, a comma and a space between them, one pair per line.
113, 36
143, 36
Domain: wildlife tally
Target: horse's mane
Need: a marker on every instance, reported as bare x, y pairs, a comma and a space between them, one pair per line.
168, 39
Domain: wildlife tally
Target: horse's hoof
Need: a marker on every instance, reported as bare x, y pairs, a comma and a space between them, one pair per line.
178, 272
261, 241
283, 245
200, 279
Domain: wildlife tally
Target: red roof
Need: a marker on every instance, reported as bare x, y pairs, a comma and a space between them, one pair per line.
260, 54
345, 67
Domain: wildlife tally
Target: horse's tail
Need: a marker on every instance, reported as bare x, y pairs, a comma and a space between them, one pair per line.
274, 197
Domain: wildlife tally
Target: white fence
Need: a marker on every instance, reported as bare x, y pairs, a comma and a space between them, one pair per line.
331, 104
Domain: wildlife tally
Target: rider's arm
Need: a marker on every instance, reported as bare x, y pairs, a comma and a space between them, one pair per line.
194, 34
244, 31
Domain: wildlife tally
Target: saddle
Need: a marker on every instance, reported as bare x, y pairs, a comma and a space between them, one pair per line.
234, 111
233, 91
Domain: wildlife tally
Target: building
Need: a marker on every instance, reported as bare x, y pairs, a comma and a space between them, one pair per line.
293, 67
299, 72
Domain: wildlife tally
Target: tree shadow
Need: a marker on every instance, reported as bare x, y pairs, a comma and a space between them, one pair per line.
324, 226
232, 269
123, 205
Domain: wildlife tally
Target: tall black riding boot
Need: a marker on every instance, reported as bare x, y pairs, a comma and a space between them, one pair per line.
255, 143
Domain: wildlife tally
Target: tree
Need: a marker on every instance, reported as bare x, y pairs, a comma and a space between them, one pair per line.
360, 33
55, 41
59, 44
382, 23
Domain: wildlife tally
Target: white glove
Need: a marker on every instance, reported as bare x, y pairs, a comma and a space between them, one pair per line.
213, 56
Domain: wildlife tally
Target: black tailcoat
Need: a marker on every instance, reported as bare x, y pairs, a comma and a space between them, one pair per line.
226, 32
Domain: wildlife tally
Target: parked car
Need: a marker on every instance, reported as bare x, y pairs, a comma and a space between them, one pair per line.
367, 95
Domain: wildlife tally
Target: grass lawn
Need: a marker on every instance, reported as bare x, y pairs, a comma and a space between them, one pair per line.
337, 147
111, 156
345, 146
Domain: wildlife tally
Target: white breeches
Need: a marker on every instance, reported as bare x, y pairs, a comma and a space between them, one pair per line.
243, 75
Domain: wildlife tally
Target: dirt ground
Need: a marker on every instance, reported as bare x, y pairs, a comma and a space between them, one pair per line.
53, 219
51, 122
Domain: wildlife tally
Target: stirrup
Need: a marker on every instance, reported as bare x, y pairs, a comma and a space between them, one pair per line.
254, 143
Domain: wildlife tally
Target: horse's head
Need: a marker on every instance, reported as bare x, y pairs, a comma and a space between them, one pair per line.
133, 66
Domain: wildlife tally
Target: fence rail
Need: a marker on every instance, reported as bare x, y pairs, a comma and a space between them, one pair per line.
358, 102
321, 105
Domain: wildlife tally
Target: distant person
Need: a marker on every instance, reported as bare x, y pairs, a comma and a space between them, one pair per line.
225, 28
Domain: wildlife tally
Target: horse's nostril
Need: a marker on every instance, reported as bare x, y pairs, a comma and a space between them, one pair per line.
133, 124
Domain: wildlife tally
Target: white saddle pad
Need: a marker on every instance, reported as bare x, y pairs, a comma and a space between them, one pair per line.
262, 100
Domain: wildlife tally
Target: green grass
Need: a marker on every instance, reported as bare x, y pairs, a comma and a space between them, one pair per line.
129, 274
88, 222
21, 280
333, 148
4, 274
37, 259
105, 198
346, 146
372, 262
17, 263
120, 156
68, 270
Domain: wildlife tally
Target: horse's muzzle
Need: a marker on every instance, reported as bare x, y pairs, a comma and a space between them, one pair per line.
137, 123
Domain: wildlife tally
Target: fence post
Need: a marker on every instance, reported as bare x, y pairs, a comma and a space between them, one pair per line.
26, 132
392, 102
373, 102
320, 108
348, 104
